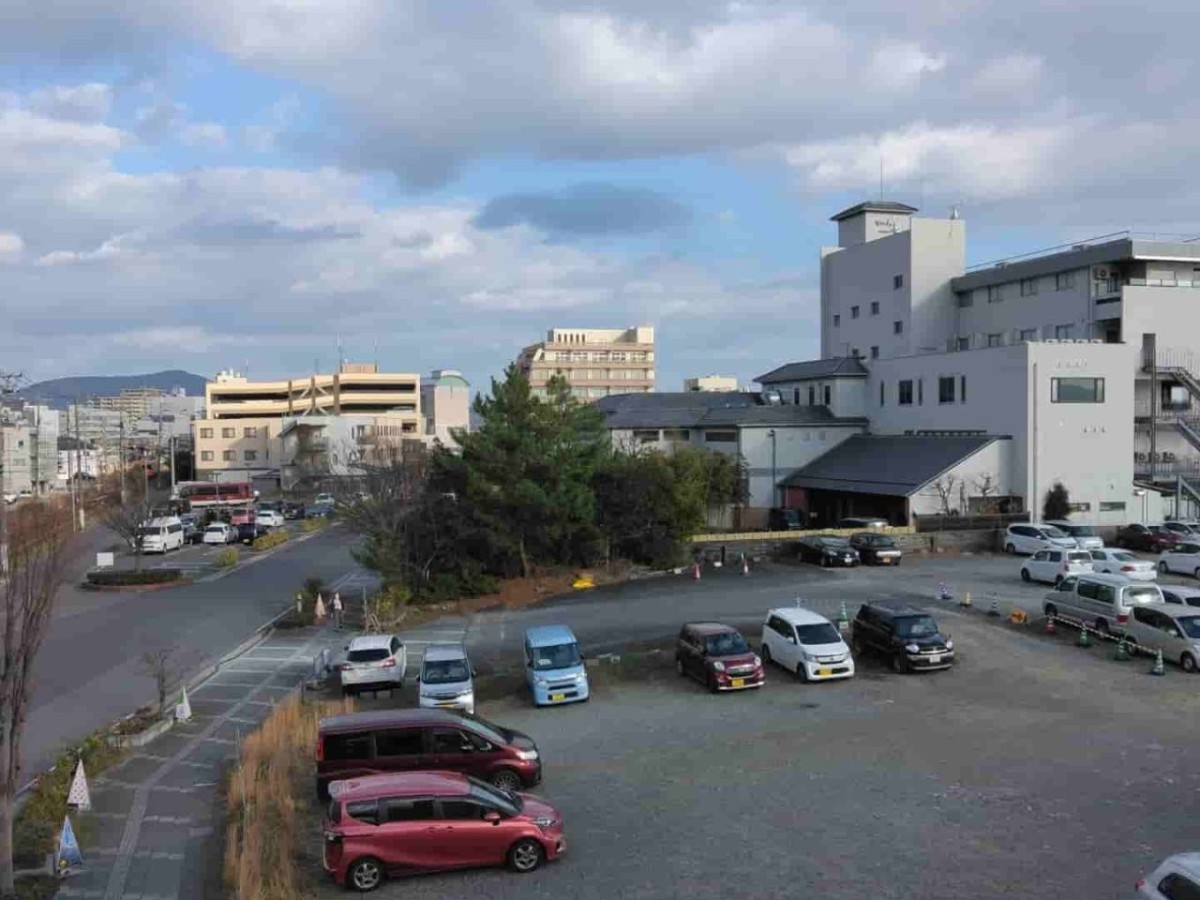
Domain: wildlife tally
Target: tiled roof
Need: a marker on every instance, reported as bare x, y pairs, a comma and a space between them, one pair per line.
697, 409
883, 206
839, 367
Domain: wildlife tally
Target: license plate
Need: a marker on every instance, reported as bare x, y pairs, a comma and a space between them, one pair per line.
821, 672
445, 705
737, 682
935, 658
554, 698
885, 560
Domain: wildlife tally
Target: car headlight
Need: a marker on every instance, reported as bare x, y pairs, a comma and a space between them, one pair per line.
912, 648
719, 666
757, 661
949, 645
527, 755
580, 677
540, 681
463, 694
543, 821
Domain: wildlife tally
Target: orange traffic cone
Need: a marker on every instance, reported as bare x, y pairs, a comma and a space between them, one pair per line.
696, 571
745, 565
1051, 628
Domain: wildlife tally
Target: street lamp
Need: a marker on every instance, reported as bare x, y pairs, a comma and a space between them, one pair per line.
1140, 492
774, 486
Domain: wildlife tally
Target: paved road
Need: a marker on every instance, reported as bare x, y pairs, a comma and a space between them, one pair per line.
88, 672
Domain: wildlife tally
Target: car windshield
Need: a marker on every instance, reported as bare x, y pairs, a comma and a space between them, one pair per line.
149, 530
1053, 532
915, 626
559, 656
1124, 557
507, 801
1143, 593
490, 730
835, 543
1082, 530
1190, 625
368, 654
1080, 557
445, 671
726, 644
824, 633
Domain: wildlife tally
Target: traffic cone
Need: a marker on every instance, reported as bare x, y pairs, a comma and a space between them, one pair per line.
696, 571
1051, 628
183, 709
745, 565
1122, 651
1085, 638
1157, 668
843, 619
319, 609
943, 591
965, 602
994, 609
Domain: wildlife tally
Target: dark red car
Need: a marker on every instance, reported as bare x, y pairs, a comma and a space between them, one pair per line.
1147, 538
406, 740
718, 657
387, 825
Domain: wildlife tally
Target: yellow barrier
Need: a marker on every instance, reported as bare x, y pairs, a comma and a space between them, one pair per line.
792, 535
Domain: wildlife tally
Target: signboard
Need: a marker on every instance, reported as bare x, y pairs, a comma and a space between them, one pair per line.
104, 560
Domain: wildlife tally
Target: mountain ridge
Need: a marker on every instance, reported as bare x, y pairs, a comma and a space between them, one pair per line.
60, 393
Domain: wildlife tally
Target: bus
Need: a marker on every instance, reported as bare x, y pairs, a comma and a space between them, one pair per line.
214, 495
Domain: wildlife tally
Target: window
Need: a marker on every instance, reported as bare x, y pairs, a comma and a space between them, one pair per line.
205, 432
964, 343
1028, 334
721, 437
795, 396
1064, 281
962, 388
1112, 506
897, 327
206, 455
995, 338
920, 391
1078, 508
874, 307
874, 353
1063, 332
645, 435
828, 395
946, 389
460, 810
995, 294
1076, 390
409, 809
249, 432
854, 312
227, 455
1028, 287
364, 811
228, 432
897, 282
400, 742
905, 393
676, 434
355, 745
249, 455
449, 740
837, 320
881, 392
812, 395
966, 300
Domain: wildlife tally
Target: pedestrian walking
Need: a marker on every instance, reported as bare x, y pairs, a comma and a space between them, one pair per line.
337, 610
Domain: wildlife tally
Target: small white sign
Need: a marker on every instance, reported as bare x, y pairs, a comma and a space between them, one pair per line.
104, 560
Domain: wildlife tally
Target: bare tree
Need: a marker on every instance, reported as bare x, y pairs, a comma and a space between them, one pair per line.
987, 485
127, 518
159, 664
39, 546
944, 488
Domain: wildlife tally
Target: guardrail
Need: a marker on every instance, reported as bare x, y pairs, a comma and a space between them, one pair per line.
793, 535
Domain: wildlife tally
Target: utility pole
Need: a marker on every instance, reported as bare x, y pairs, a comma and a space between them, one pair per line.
171, 444
121, 457
78, 469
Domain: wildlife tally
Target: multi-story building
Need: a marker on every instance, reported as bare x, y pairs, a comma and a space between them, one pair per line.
15, 454
711, 384
134, 402
446, 403
29, 463
1015, 375
596, 362
93, 426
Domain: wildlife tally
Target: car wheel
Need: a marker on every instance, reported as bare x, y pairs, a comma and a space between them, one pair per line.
525, 855
765, 653
1197, 573
679, 667
713, 687
801, 672
1187, 662
1010, 549
506, 780
1050, 610
1025, 575
857, 647
1163, 567
1057, 581
899, 665
1101, 627
365, 874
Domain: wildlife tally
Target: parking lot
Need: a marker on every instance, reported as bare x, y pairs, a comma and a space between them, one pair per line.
1033, 769
197, 560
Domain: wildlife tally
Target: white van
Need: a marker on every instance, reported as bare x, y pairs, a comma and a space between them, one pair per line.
161, 535
1101, 601
446, 679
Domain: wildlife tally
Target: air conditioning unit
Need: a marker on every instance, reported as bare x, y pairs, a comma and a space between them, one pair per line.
1100, 273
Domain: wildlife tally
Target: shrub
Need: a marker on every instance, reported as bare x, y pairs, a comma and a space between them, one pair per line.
270, 539
122, 577
226, 557
1057, 503
313, 524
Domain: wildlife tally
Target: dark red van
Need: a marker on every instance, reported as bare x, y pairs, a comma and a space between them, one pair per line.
405, 740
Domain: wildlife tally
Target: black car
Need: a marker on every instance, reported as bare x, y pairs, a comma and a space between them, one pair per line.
193, 531
293, 510
1147, 538
785, 520
826, 550
247, 532
908, 637
877, 549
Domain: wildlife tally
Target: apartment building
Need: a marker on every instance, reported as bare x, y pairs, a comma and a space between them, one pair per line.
134, 402
1075, 364
29, 461
96, 427
597, 362
446, 404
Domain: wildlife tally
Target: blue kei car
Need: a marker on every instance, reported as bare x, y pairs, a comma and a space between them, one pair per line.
554, 666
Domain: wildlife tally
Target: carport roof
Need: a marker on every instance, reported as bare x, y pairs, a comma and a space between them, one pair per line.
891, 465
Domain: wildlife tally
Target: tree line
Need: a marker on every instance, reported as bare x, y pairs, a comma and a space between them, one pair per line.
536, 484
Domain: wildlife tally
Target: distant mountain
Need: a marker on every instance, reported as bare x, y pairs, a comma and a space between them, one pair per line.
62, 392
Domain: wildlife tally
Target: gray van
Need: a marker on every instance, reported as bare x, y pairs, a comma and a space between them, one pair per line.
1101, 600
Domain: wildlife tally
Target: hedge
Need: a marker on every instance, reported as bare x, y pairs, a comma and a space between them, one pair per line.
225, 558
270, 539
122, 577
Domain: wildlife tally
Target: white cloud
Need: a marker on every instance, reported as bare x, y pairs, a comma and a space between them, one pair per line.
12, 246
899, 67
205, 134
89, 102
1007, 74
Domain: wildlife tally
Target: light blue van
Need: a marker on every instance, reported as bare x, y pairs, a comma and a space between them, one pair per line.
554, 666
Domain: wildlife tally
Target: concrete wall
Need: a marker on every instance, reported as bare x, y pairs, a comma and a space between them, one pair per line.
15, 462
847, 396
939, 248
857, 276
994, 461
1173, 313
214, 438
794, 449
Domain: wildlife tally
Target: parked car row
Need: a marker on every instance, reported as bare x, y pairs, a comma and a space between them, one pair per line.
1062, 535
863, 547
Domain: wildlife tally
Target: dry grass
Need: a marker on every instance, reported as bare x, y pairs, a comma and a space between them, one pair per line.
264, 832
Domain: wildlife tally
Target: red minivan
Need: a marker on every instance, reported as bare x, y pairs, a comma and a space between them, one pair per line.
386, 825
405, 740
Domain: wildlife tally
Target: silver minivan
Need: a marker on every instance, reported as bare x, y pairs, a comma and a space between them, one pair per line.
1101, 600
447, 680
1173, 629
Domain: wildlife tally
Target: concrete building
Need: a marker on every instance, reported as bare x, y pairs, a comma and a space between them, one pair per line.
96, 427
134, 402
711, 383
596, 362
446, 404
15, 456
1002, 380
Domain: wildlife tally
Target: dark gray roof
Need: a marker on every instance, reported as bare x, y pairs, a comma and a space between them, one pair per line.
838, 366
893, 465
884, 206
694, 409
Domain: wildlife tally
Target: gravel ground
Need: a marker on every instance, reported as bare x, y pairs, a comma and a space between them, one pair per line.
1033, 769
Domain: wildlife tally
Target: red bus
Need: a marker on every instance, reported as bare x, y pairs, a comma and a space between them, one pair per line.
214, 495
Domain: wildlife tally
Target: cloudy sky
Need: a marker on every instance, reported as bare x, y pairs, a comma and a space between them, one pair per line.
243, 182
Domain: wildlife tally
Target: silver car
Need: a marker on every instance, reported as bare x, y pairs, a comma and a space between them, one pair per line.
1085, 535
447, 679
1173, 629
373, 662
1103, 602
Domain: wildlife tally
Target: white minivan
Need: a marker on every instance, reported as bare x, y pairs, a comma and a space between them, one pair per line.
161, 535
1101, 601
446, 680
1029, 539
803, 642
1052, 566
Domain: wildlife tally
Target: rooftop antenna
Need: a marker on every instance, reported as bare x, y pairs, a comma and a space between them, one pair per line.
881, 176
954, 216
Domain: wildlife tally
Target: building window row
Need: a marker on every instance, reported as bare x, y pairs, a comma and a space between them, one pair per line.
1029, 287
995, 293
1065, 281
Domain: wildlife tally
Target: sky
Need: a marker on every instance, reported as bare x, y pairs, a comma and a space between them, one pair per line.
252, 184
